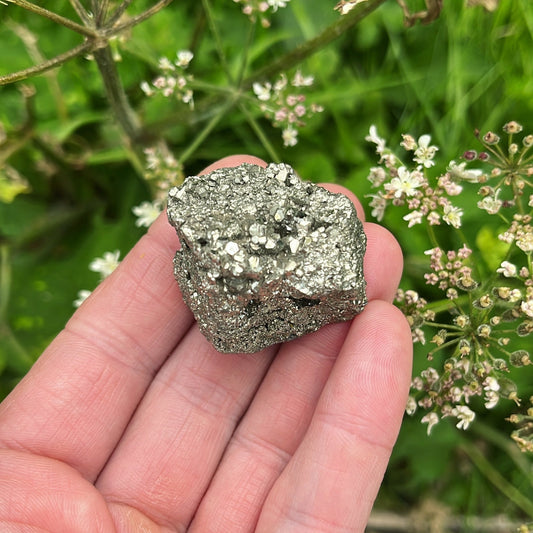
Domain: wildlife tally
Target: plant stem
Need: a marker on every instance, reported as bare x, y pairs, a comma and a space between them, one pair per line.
116, 95
30, 42
5, 279
492, 475
99, 8
218, 40
267, 145
332, 32
119, 11
81, 12
74, 26
47, 65
205, 132
109, 31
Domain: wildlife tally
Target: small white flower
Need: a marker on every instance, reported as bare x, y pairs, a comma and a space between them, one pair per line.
525, 242
378, 205
82, 296
410, 408
515, 295
146, 213
527, 307
405, 183
146, 89
262, 91
430, 375
414, 217
507, 269
530, 203
345, 6
491, 204
491, 399
425, 153
106, 264
459, 172
465, 416
491, 384
430, 419
373, 137
165, 64
184, 57
377, 176
418, 335
456, 394
452, 216
302, 81
275, 4
289, 136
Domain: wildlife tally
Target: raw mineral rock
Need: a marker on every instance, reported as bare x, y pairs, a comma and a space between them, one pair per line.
264, 256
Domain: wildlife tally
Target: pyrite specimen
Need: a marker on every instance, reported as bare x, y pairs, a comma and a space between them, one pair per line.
264, 256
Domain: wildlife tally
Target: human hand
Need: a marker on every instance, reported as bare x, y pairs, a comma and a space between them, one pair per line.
130, 420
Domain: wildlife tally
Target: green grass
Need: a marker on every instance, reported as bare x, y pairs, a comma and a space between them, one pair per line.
469, 69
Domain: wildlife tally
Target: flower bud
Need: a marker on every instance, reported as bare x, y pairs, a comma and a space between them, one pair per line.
495, 320
501, 365
484, 302
470, 155
525, 328
512, 127
491, 138
484, 330
527, 141
508, 388
464, 347
462, 321
466, 283
520, 358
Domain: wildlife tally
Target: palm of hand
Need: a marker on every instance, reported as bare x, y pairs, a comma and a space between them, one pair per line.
130, 421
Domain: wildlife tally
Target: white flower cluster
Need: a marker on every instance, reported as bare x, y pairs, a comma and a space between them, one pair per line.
172, 81
255, 9
402, 186
286, 109
104, 266
163, 170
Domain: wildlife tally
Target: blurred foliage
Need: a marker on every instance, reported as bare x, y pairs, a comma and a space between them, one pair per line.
470, 68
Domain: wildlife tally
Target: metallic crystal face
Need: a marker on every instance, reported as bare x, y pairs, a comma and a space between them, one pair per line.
264, 256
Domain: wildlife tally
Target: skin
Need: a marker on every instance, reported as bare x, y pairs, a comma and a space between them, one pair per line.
130, 421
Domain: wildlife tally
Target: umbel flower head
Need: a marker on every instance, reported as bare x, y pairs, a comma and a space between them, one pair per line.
284, 105
473, 321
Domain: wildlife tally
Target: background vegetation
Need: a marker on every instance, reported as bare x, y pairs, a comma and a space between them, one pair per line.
471, 68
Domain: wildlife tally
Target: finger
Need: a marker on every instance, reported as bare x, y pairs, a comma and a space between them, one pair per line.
167, 456
280, 413
383, 263
270, 432
77, 399
333, 478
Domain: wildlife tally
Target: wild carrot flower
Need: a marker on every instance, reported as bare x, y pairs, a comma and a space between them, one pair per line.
105, 265
286, 108
260, 9
173, 81
476, 322
147, 212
